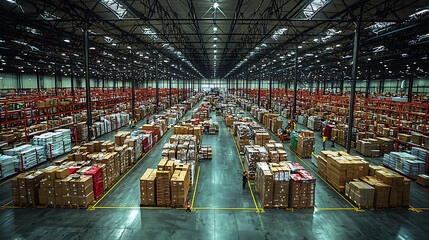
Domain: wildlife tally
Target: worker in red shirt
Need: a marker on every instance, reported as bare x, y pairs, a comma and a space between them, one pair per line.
188, 206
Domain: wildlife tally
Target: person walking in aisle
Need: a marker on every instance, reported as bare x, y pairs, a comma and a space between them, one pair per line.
324, 142
333, 142
244, 179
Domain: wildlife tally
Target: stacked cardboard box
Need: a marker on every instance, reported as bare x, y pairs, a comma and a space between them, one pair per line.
206, 152
252, 155
423, 180
281, 177
340, 133
362, 194
163, 197
400, 187
314, 123
382, 191
261, 137
179, 188
305, 144
265, 184
343, 168
147, 187
25, 188
302, 190
368, 147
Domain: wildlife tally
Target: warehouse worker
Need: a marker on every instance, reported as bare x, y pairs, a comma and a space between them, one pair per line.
244, 179
324, 142
333, 142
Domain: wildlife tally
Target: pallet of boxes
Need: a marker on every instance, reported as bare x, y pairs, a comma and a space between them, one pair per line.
206, 152
366, 186
284, 185
303, 143
166, 186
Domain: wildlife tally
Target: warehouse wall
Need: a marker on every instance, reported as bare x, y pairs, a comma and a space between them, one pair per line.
10, 81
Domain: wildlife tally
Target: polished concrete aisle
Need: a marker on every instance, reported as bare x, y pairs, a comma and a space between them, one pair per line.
220, 179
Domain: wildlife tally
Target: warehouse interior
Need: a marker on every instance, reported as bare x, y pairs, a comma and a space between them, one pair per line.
214, 119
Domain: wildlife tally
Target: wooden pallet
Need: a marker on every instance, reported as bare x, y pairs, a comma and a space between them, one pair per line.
275, 207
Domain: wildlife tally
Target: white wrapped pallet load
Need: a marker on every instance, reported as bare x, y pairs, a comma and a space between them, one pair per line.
27, 156
7, 165
66, 138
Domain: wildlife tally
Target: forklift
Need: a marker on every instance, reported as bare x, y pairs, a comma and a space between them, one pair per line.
284, 134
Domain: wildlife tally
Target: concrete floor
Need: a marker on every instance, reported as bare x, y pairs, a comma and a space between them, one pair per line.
223, 210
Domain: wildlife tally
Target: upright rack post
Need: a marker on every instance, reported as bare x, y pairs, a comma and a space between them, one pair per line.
295, 82
353, 86
156, 84
133, 97
87, 85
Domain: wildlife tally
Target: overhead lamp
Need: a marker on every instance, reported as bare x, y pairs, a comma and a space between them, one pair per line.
129, 47
338, 45
215, 29
92, 48
215, 51
300, 46
215, 38
113, 44
316, 40
66, 40
215, 5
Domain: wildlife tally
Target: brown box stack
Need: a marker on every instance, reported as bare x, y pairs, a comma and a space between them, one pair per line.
382, 191
163, 198
343, 168
362, 194
306, 143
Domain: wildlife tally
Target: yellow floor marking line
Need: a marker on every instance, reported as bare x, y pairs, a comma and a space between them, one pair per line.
93, 206
167, 208
5, 182
248, 182
333, 209
4, 206
195, 189
417, 210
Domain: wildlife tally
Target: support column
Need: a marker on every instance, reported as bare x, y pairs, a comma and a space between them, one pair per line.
353, 86
259, 90
156, 84
271, 89
133, 97
38, 81
72, 82
368, 86
318, 86
56, 81
410, 88
114, 84
87, 85
295, 83
169, 83
342, 85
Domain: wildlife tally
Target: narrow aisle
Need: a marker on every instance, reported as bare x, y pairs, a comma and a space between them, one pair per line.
220, 180
127, 193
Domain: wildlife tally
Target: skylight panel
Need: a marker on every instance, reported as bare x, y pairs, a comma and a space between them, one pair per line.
314, 7
49, 16
114, 6
378, 27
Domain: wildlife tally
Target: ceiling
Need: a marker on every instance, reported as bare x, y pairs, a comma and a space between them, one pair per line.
215, 39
